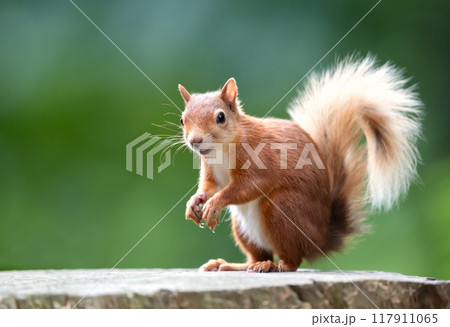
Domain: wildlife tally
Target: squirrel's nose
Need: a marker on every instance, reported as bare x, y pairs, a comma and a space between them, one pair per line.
195, 141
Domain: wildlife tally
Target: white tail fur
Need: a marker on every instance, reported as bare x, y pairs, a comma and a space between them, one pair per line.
357, 96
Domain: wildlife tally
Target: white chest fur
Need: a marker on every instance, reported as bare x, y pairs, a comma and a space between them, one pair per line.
248, 214
222, 172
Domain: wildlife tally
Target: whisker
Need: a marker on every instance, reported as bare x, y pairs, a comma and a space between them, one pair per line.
167, 136
171, 113
168, 148
164, 151
168, 104
172, 123
181, 146
161, 126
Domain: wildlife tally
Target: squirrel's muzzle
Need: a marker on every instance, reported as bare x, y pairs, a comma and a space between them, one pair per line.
196, 141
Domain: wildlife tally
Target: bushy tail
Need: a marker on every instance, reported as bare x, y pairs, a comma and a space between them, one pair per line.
339, 108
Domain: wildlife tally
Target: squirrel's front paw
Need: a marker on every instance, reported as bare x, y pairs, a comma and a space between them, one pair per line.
193, 210
211, 213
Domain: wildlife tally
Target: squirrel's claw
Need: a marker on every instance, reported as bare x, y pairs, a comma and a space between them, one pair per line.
211, 214
194, 215
193, 210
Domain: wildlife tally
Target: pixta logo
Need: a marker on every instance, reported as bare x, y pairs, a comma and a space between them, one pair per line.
141, 154
142, 151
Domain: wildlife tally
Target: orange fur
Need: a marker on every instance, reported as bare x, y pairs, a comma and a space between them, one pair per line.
277, 208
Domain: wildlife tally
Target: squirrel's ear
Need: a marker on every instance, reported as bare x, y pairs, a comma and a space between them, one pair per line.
229, 92
184, 93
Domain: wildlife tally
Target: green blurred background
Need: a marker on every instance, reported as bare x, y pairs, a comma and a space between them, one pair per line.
70, 102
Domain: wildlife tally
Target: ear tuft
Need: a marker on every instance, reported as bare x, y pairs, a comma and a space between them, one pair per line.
184, 93
229, 92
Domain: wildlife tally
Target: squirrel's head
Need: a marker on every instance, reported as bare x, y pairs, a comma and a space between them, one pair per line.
211, 118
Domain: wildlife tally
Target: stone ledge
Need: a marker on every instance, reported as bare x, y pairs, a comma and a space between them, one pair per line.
187, 288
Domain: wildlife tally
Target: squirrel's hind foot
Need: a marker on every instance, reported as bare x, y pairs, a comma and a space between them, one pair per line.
222, 265
269, 266
212, 265
263, 266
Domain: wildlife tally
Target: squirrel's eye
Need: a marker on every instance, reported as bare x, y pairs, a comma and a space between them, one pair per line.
181, 122
220, 118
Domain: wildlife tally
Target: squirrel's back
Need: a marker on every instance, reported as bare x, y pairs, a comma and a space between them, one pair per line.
338, 108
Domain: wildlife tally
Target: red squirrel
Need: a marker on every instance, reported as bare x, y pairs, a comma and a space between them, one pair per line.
359, 124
